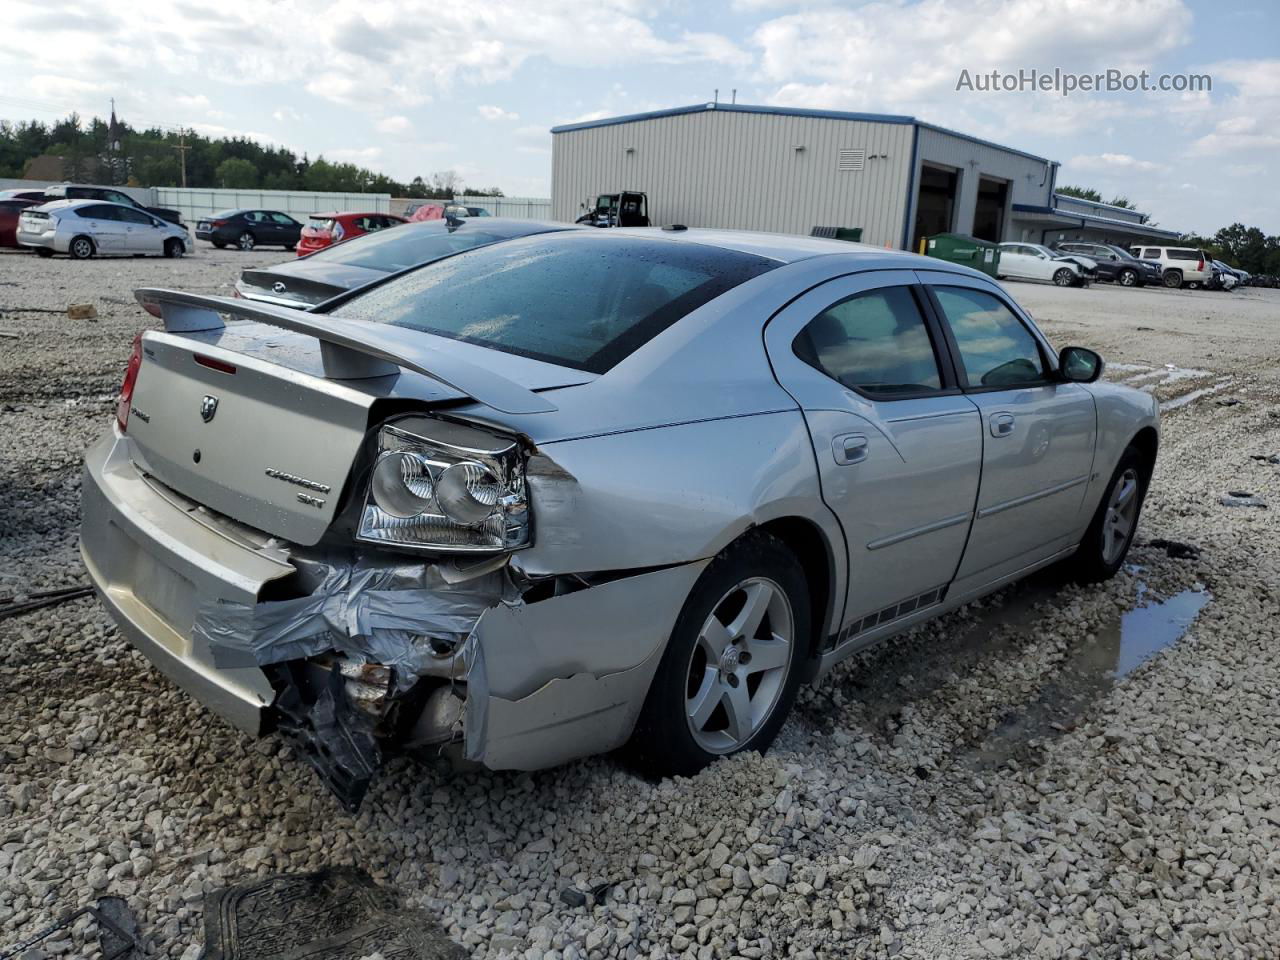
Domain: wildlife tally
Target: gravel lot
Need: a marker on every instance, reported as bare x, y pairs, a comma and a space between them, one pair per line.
979, 787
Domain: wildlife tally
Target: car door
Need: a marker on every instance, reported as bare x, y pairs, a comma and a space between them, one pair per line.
102, 222
141, 235
1038, 433
1015, 261
898, 446
287, 230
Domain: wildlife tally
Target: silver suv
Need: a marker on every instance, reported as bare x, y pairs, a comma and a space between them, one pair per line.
1181, 266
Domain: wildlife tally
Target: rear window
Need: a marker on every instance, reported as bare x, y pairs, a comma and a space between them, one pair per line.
322, 223
579, 300
1176, 253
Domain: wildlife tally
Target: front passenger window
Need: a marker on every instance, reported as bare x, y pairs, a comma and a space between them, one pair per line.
996, 350
875, 342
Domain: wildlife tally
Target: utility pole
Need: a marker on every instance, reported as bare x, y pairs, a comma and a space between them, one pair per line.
182, 149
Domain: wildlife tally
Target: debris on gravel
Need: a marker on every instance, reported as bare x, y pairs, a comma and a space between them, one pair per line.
987, 785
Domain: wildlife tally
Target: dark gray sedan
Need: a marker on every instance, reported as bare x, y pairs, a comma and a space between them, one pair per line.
310, 280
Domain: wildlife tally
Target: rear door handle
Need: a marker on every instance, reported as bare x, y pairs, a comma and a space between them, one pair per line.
1002, 424
849, 448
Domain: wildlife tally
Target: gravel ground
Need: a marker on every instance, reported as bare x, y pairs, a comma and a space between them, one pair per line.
979, 787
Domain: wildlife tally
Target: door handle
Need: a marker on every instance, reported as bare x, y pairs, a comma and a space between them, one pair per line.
849, 448
1001, 424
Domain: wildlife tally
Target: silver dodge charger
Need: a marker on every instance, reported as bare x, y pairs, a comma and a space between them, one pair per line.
588, 490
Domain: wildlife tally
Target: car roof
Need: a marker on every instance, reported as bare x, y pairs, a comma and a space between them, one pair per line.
73, 204
783, 247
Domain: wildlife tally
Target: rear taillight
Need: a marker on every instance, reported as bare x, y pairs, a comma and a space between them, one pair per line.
1200, 265
126, 389
217, 223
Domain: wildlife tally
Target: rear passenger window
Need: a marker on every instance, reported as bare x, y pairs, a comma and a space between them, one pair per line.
996, 350
876, 342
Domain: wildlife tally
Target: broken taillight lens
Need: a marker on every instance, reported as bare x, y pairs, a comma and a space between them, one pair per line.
126, 389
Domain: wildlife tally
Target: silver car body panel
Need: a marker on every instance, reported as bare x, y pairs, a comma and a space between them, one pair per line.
636, 477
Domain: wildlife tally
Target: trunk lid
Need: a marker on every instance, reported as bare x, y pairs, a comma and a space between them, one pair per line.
259, 442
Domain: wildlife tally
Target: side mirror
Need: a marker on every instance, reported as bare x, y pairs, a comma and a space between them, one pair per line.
1079, 365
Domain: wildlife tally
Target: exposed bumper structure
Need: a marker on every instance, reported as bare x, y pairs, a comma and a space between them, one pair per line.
542, 681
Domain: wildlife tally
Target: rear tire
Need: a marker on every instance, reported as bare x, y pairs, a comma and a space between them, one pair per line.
43, 252
1063, 277
81, 248
246, 241
220, 244
732, 666
1128, 278
174, 248
1173, 279
1110, 535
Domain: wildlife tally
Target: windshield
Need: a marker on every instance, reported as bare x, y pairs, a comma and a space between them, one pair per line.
389, 251
581, 301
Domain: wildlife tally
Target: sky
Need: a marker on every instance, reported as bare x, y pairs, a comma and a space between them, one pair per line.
409, 87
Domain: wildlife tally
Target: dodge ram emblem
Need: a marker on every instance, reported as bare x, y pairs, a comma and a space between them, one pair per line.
208, 407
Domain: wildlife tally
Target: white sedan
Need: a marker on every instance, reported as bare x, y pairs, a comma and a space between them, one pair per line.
1032, 261
89, 228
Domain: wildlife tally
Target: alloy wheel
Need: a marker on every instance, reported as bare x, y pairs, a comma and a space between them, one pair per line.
1063, 277
1128, 278
81, 249
1121, 517
739, 665
245, 241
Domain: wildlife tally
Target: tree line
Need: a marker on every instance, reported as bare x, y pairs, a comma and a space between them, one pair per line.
154, 157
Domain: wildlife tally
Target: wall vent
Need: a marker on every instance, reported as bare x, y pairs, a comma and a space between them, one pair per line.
851, 158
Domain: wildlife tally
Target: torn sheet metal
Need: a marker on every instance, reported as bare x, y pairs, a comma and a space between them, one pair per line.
566, 677
372, 610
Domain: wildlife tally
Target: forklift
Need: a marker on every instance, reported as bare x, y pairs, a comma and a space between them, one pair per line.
627, 209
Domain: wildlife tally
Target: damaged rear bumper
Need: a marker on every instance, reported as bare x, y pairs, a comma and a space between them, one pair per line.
512, 678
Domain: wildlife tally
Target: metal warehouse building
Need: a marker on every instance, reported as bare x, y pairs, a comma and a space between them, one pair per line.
765, 168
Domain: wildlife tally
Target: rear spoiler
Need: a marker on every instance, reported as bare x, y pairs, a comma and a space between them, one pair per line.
349, 349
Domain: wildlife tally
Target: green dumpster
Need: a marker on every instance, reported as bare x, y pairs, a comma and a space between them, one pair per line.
959, 248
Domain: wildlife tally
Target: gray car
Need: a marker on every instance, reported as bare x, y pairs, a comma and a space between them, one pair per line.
96, 228
591, 489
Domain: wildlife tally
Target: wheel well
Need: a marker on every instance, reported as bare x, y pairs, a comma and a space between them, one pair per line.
1146, 442
83, 236
806, 541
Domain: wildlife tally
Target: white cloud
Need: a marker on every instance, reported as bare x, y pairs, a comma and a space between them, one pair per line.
1113, 163
361, 155
896, 57
1246, 110
396, 124
496, 113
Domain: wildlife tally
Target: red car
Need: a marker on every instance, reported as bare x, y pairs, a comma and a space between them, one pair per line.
327, 228
9, 210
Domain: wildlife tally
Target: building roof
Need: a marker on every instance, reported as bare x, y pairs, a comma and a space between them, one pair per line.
1098, 206
1069, 218
787, 112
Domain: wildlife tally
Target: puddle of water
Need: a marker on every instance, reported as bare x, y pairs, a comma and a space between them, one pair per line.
1089, 672
1186, 398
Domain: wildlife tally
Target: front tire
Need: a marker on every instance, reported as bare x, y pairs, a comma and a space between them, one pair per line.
1110, 535
1128, 278
246, 241
1063, 277
81, 248
729, 675
174, 248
